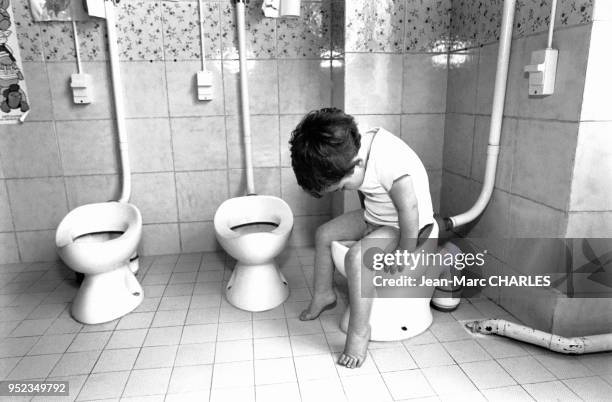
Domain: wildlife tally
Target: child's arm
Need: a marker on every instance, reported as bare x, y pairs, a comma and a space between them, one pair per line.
404, 198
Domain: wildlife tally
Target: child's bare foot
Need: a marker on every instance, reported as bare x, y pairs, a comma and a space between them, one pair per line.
319, 304
355, 349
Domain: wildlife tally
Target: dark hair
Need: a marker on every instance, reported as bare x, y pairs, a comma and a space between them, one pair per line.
323, 146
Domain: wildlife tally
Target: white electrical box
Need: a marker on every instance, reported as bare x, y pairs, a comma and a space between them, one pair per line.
82, 88
542, 72
204, 83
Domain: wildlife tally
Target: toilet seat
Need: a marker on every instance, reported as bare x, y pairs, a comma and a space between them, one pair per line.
98, 256
258, 208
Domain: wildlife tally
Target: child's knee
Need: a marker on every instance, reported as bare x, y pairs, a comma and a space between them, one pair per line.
353, 257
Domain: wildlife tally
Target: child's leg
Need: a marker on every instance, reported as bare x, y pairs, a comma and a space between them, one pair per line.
349, 226
361, 295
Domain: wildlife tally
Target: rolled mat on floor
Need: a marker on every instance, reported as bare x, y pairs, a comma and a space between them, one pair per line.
14, 104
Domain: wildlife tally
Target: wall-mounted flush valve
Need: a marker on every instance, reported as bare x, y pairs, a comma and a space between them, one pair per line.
542, 72
204, 80
81, 85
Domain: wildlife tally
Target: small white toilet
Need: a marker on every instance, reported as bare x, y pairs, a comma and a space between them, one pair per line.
98, 241
391, 319
254, 230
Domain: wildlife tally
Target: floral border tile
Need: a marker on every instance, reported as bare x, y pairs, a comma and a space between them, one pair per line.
306, 36
575, 12
58, 41
139, 30
427, 25
374, 26
182, 30
28, 32
261, 32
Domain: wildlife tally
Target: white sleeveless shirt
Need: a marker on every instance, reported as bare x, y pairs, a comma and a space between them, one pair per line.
389, 159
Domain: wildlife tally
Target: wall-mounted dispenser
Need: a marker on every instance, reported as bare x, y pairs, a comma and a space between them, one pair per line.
542, 69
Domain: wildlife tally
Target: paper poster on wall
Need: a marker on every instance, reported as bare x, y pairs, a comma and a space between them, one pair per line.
14, 105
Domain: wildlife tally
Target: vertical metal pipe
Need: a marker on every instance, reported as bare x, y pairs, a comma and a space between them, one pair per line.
497, 114
113, 49
244, 95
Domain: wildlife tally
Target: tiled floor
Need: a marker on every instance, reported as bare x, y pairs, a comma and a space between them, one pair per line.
185, 342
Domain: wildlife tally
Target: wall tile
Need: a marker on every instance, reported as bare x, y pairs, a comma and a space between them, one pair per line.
424, 86
574, 12
182, 30
262, 77
543, 161
306, 36
458, 141
267, 182
159, 239
302, 203
30, 150
589, 224
530, 219
182, 92
491, 228
58, 40
374, 26
139, 30
464, 24
82, 190
37, 203
28, 32
592, 170
458, 194
487, 65
532, 16
200, 194
199, 143
61, 94
303, 85
598, 82
9, 252
39, 94
427, 25
304, 228
260, 32
155, 196
88, 147
6, 219
435, 188
503, 176
566, 102
198, 237
37, 246
287, 125
391, 122
149, 145
264, 137
462, 82
337, 22
516, 76
375, 79
424, 133
144, 88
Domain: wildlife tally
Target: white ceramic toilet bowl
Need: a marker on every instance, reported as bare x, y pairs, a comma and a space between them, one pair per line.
391, 319
255, 229
98, 240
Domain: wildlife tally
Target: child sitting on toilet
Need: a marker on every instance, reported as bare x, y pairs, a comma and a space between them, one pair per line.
328, 154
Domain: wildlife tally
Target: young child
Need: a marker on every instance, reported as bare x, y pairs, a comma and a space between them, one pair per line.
329, 154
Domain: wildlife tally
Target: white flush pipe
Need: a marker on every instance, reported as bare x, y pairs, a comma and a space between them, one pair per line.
551, 24
113, 50
575, 346
244, 95
497, 114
